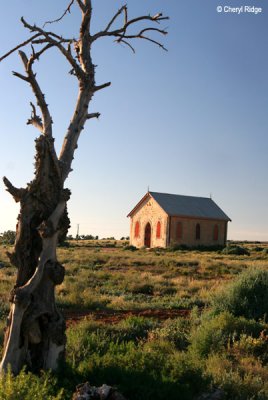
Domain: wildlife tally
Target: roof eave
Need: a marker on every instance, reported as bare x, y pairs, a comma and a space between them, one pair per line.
198, 216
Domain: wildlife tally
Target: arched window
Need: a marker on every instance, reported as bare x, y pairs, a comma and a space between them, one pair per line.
197, 232
137, 229
158, 230
179, 230
216, 232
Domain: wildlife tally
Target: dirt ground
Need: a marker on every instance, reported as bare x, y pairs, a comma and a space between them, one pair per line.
113, 317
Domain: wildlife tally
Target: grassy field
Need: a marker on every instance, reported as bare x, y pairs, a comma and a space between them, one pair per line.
125, 329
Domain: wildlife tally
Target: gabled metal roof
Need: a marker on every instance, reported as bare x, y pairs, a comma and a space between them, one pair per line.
189, 206
185, 206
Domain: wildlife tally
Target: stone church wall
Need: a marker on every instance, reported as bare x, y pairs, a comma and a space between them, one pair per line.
149, 212
188, 232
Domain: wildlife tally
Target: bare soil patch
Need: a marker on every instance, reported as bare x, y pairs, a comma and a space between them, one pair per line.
113, 317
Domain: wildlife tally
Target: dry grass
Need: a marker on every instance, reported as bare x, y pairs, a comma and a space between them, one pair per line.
99, 277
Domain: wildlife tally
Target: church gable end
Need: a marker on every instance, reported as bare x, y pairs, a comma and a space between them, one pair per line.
152, 222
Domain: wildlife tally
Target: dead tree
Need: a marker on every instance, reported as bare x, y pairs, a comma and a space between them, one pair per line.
35, 332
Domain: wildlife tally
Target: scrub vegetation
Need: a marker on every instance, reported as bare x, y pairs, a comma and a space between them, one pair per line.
155, 323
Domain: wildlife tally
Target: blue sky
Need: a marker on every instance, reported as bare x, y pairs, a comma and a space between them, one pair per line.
190, 121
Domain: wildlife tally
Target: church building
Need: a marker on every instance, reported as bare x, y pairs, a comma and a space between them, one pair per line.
164, 220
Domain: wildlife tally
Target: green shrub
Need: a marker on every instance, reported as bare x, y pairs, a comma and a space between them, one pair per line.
85, 339
247, 296
215, 333
236, 250
145, 371
202, 248
179, 247
257, 248
4, 308
245, 380
142, 370
174, 331
89, 337
142, 288
134, 328
27, 386
252, 346
130, 247
211, 248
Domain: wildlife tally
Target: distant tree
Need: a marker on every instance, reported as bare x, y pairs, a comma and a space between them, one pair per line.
35, 333
8, 237
87, 237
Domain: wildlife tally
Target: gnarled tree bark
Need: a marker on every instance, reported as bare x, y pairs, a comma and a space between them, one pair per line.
35, 333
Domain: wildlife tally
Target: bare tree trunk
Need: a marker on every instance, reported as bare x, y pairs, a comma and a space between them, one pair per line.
35, 333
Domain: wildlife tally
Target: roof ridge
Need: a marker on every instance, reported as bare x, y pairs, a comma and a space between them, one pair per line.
182, 195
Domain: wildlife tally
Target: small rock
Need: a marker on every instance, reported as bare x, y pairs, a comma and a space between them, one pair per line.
216, 394
104, 392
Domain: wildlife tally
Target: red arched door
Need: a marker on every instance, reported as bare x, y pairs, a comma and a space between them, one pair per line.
147, 235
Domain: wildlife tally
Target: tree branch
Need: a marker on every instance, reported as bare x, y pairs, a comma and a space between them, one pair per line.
140, 34
85, 24
51, 39
35, 28
35, 120
84, 43
125, 42
93, 115
35, 56
81, 5
103, 86
119, 12
18, 75
19, 46
162, 31
68, 10
47, 120
152, 40
75, 127
121, 33
16, 193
